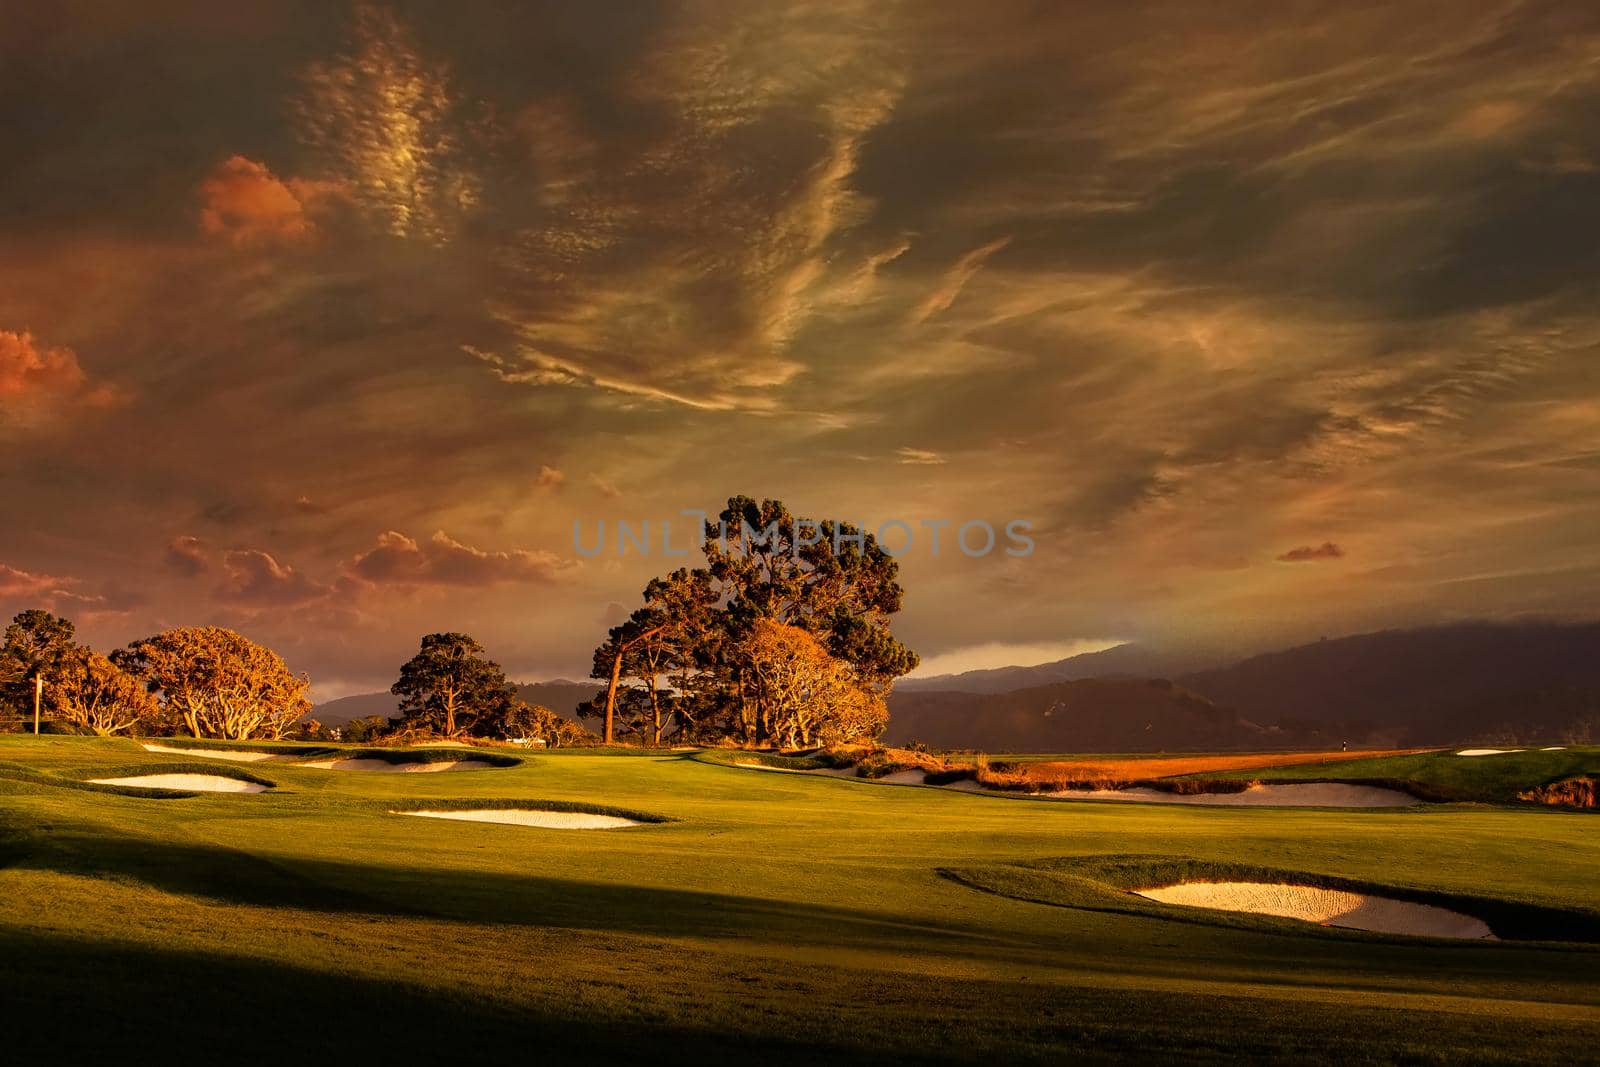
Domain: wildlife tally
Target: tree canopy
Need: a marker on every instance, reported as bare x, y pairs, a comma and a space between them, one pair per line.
219, 683
452, 688
94, 693
36, 645
696, 661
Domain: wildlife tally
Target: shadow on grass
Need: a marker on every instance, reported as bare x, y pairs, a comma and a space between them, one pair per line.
484, 896
75, 1001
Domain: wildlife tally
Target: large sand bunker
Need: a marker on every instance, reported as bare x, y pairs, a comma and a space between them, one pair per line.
409, 767
1327, 907
236, 756
1487, 751
549, 820
1290, 795
194, 783
1299, 795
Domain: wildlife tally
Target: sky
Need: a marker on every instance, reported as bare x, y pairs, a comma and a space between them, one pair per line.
329, 322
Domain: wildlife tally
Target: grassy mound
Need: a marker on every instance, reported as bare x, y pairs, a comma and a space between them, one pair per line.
1104, 883
733, 757
79, 778
1444, 776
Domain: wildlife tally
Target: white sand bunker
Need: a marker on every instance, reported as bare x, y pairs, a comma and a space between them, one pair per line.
1327, 907
412, 767
1303, 795
1554, 748
1487, 751
549, 820
213, 753
196, 783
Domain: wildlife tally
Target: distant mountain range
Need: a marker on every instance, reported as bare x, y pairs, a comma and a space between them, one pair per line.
560, 696
1122, 661
1532, 681
1086, 715
1439, 685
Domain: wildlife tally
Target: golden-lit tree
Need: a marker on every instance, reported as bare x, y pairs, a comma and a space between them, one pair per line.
91, 691
802, 695
219, 683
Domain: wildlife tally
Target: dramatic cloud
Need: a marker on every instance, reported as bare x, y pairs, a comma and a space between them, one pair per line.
188, 556
442, 560
1163, 280
255, 578
37, 379
1312, 553
244, 203
21, 585
20, 589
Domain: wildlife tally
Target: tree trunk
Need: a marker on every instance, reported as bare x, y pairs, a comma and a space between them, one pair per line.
611, 697
655, 712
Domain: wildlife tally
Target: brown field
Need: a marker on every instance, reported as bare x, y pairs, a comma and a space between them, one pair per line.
1064, 774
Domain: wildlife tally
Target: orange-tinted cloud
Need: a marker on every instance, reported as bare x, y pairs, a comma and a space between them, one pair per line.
442, 560
1312, 553
255, 577
246, 204
549, 478
187, 555
34, 376
63, 595
27, 370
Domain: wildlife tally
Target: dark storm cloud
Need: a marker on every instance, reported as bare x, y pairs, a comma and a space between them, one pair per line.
1185, 283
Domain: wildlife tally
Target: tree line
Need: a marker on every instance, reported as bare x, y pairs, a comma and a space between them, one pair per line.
781, 639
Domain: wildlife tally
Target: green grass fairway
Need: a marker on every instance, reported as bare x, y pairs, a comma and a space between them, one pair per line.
783, 917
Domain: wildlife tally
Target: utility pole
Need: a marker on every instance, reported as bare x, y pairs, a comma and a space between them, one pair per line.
38, 694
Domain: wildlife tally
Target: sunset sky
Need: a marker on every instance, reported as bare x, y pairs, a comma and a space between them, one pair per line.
327, 322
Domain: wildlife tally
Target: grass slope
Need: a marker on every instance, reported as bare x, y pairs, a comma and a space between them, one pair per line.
1444, 775
791, 917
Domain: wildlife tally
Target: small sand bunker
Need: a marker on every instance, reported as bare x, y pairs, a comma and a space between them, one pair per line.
196, 783
1487, 751
549, 820
1554, 748
1305, 795
412, 767
214, 753
1327, 907
908, 777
